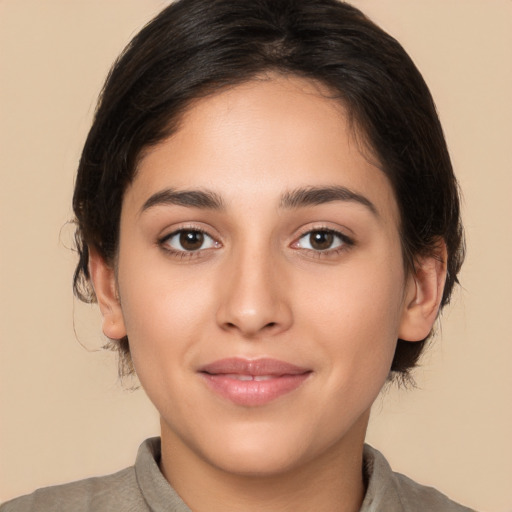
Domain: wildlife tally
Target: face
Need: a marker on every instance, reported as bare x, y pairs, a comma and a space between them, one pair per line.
261, 280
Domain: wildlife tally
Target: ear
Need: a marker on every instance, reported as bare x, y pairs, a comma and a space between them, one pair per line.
423, 294
105, 287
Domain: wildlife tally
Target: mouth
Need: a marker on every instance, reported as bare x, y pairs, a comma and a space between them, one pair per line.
253, 382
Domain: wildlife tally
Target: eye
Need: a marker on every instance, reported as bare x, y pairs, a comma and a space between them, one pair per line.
322, 240
189, 240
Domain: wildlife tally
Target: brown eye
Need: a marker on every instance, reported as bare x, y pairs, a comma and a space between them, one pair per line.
189, 240
321, 240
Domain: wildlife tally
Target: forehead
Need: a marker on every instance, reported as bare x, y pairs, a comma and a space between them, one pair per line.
266, 136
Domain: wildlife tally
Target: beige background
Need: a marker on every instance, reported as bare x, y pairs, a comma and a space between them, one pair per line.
64, 415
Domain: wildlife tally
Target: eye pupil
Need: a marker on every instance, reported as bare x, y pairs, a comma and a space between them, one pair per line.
191, 240
321, 240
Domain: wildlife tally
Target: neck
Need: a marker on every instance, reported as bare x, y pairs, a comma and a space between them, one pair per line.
332, 481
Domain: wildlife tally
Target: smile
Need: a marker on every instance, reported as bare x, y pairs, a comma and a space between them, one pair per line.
252, 382
250, 377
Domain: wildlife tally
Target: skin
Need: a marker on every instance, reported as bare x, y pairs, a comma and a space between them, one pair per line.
257, 287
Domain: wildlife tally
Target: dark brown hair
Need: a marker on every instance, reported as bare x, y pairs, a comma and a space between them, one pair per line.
196, 47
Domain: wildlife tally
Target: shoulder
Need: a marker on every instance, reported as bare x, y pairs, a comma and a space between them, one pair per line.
118, 491
390, 491
139, 488
415, 496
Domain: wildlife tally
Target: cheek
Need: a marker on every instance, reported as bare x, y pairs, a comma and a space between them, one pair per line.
355, 316
164, 312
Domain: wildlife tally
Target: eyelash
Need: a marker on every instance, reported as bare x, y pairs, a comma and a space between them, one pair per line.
345, 243
183, 253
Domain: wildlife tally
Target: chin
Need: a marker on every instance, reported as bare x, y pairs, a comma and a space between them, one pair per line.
257, 461
264, 450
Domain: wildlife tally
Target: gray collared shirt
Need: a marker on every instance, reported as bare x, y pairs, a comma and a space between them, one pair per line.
143, 488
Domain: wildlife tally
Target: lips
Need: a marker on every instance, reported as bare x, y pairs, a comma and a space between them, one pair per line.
253, 382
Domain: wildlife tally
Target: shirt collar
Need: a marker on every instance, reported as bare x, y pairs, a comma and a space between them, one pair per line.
381, 494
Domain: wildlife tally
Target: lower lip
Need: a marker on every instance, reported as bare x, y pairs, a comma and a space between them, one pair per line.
252, 393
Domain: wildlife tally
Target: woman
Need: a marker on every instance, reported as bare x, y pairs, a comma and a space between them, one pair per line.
268, 219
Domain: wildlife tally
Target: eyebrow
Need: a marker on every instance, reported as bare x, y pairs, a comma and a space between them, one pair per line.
204, 199
311, 196
298, 198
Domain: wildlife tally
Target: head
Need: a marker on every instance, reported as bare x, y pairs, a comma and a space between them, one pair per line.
195, 49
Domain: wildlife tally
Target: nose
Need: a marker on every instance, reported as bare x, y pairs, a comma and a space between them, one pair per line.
254, 297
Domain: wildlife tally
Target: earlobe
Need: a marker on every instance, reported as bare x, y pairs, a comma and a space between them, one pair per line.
424, 292
105, 288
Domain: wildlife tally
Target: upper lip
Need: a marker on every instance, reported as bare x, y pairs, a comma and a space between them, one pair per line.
254, 367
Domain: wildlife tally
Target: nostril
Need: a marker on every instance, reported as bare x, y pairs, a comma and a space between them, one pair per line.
232, 325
